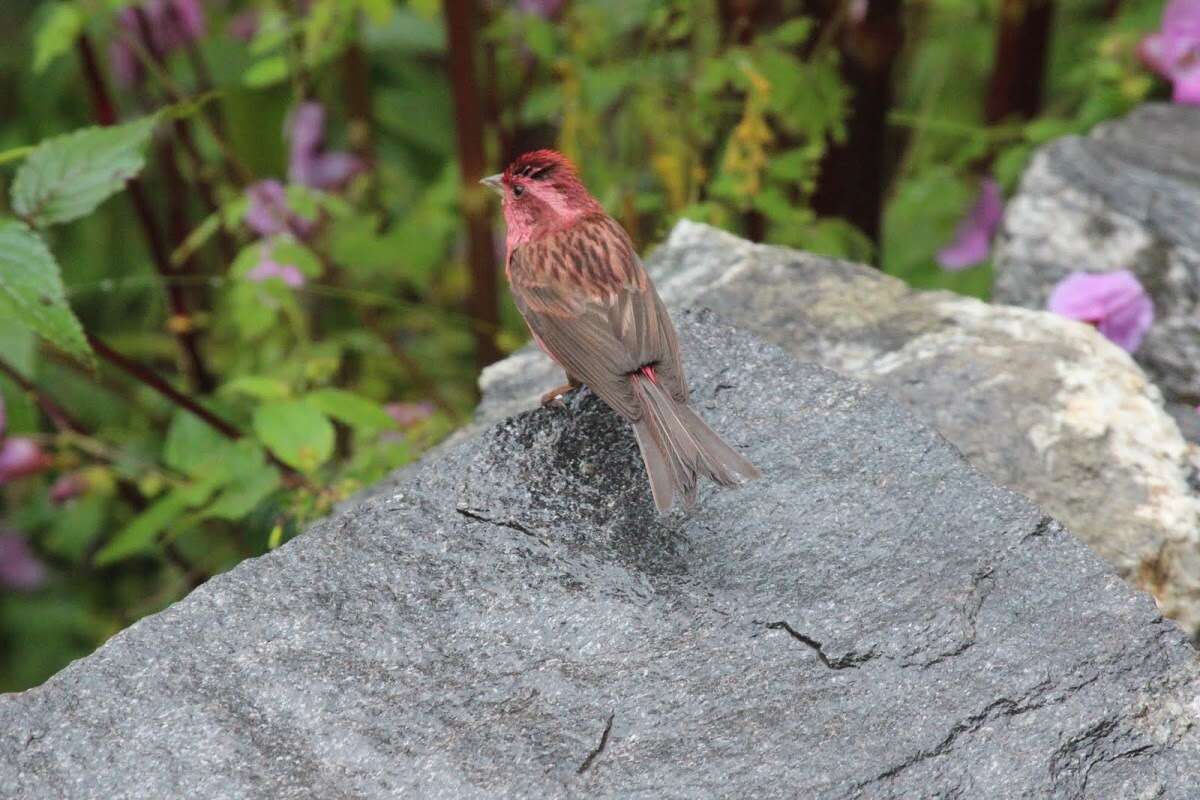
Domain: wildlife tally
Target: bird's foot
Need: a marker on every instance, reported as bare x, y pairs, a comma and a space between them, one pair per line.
554, 397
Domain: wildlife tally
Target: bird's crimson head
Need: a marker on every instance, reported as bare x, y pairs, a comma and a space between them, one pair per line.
541, 194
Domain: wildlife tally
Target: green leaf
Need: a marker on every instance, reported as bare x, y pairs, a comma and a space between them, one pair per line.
191, 444
289, 252
282, 249
67, 177
139, 535
77, 525
258, 386
352, 409
196, 239
793, 32
239, 499
57, 35
31, 289
378, 11
267, 72
296, 432
16, 153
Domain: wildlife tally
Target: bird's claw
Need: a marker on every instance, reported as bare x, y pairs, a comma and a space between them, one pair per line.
553, 400
554, 397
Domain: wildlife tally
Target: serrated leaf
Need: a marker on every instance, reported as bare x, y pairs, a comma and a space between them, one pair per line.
295, 431
31, 289
142, 530
351, 409
68, 176
57, 35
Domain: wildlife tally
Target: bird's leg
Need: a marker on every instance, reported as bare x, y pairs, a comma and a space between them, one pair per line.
554, 396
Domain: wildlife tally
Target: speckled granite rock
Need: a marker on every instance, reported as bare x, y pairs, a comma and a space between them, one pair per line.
1038, 403
1125, 197
873, 619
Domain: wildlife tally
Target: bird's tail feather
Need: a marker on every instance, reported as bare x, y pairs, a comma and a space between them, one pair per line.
678, 447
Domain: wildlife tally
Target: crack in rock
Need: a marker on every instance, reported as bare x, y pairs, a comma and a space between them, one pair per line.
848, 661
592, 756
503, 523
998, 709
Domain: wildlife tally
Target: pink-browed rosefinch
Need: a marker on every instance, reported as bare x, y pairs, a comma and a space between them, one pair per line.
593, 309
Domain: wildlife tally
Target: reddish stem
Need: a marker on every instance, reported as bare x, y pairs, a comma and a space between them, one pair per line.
481, 254
148, 377
57, 415
181, 323
1019, 68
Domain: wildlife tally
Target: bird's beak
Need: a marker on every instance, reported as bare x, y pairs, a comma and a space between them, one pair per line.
494, 183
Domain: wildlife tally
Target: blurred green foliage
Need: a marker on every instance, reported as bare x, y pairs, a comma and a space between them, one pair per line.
668, 114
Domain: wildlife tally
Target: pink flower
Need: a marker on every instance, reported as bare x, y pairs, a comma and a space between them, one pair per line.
19, 567
409, 414
546, 9
173, 24
268, 213
1112, 301
244, 26
1174, 52
973, 238
68, 487
306, 163
268, 269
20, 457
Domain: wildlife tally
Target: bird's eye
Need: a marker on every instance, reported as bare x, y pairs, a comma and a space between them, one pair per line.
518, 190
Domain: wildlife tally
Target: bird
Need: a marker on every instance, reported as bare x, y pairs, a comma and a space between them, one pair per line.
591, 306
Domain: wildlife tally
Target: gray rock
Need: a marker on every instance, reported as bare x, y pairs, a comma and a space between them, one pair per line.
1125, 197
874, 619
1040, 404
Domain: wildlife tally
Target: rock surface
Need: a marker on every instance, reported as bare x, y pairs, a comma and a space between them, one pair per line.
874, 619
1125, 197
1041, 404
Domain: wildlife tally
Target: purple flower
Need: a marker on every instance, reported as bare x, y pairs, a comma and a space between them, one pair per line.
1174, 52
244, 26
268, 212
68, 487
306, 163
19, 567
546, 9
268, 269
20, 457
173, 24
409, 414
1112, 301
973, 237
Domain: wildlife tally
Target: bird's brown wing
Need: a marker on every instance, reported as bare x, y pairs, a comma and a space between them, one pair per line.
586, 296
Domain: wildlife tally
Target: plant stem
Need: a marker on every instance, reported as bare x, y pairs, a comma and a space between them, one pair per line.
1019, 67
481, 255
854, 173
181, 322
57, 415
148, 377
